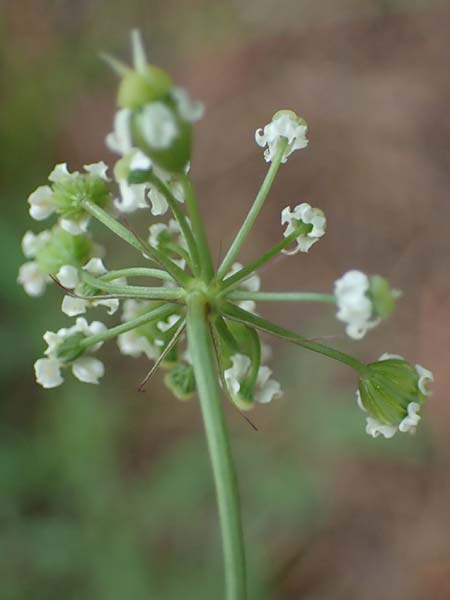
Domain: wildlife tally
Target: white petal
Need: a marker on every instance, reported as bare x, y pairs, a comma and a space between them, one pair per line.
48, 372
132, 196
375, 428
75, 227
88, 369
266, 389
95, 267
409, 423
41, 203
188, 109
31, 243
73, 306
59, 173
119, 140
424, 376
97, 170
112, 305
168, 323
158, 201
158, 125
34, 281
68, 276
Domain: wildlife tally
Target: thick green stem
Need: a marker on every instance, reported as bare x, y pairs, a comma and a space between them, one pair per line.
253, 212
199, 231
239, 295
201, 349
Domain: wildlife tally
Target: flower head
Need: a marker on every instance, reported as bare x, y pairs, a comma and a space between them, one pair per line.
63, 350
310, 223
391, 395
285, 125
50, 251
66, 193
363, 301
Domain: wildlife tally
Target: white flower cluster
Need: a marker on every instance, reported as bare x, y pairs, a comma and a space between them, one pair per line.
43, 200
374, 427
266, 389
306, 215
354, 305
69, 277
286, 125
85, 368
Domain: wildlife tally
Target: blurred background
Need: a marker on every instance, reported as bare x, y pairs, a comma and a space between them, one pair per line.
105, 493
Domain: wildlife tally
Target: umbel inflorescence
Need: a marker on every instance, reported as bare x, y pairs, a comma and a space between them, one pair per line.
152, 135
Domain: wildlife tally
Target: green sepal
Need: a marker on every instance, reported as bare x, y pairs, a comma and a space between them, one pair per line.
181, 381
70, 349
69, 193
63, 248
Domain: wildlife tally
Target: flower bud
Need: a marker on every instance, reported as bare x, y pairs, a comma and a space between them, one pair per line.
383, 296
391, 393
181, 381
142, 87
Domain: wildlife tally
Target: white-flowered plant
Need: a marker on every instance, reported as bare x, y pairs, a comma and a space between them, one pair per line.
197, 322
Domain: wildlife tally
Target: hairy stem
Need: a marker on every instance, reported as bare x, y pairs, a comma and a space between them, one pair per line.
201, 349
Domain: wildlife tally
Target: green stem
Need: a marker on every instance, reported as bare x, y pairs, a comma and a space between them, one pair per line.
181, 219
159, 313
199, 230
240, 295
242, 316
234, 280
201, 349
135, 291
253, 212
129, 237
136, 272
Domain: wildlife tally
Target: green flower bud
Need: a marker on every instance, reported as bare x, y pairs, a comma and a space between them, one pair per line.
391, 394
61, 249
160, 132
143, 87
181, 381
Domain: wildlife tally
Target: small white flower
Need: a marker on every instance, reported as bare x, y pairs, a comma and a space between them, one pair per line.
41, 203
354, 306
32, 243
119, 140
133, 195
303, 213
157, 125
85, 368
285, 124
188, 109
266, 389
69, 277
32, 278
